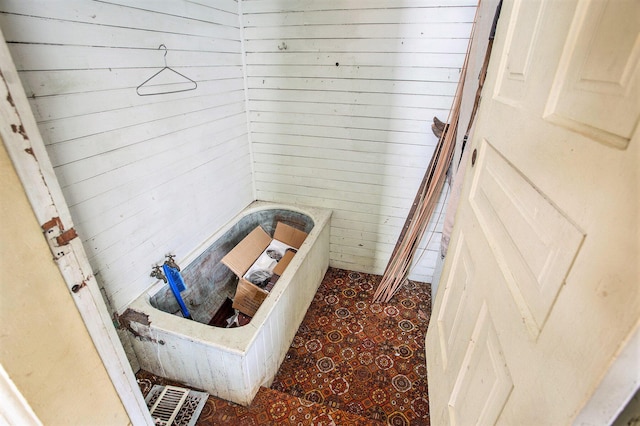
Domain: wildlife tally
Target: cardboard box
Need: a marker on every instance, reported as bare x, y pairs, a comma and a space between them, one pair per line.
284, 262
251, 254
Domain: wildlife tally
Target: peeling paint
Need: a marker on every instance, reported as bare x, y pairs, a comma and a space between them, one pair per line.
9, 97
29, 151
64, 238
20, 130
137, 323
54, 221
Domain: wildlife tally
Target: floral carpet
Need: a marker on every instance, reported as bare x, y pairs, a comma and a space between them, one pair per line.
352, 362
361, 357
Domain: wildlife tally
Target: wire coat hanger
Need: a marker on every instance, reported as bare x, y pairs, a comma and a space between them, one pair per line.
164, 81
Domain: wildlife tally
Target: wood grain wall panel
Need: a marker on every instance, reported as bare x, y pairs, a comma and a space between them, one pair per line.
366, 31
74, 150
380, 15
341, 100
134, 14
371, 59
349, 71
355, 85
374, 45
61, 82
144, 175
260, 6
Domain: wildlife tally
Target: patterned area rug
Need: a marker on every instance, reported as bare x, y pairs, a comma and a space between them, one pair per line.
362, 357
352, 362
269, 407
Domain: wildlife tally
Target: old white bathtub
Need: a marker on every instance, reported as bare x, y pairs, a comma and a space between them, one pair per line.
230, 363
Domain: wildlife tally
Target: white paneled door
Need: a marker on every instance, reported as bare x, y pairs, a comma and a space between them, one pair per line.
539, 293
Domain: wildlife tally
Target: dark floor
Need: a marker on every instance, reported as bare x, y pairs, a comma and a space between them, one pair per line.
352, 362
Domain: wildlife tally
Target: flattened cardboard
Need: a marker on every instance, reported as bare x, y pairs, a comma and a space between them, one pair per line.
284, 262
243, 255
289, 235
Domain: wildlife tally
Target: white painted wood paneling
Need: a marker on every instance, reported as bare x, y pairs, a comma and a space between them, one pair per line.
341, 98
143, 176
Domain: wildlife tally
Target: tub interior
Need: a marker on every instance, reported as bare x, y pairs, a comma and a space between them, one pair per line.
209, 282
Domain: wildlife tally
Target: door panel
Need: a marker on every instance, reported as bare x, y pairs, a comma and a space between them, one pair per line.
596, 89
523, 32
452, 327
541, 280
533, 242
484, 383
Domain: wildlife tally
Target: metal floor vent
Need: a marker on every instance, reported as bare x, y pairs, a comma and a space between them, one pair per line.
172, 405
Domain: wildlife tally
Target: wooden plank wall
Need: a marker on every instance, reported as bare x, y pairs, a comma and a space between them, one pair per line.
341, 97
144, 176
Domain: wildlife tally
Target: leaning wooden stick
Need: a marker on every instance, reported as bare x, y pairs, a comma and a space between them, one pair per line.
425, 201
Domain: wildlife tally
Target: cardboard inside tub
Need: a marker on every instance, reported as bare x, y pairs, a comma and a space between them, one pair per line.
250, 254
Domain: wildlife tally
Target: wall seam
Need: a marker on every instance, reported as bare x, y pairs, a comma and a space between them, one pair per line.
246, 99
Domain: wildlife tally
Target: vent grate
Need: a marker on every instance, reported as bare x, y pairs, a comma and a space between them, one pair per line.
168, 404
172, 405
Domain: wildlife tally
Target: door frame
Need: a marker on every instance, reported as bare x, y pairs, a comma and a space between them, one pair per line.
28, 154
617, 387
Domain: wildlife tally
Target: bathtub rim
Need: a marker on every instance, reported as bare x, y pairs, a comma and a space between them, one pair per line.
237, 340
